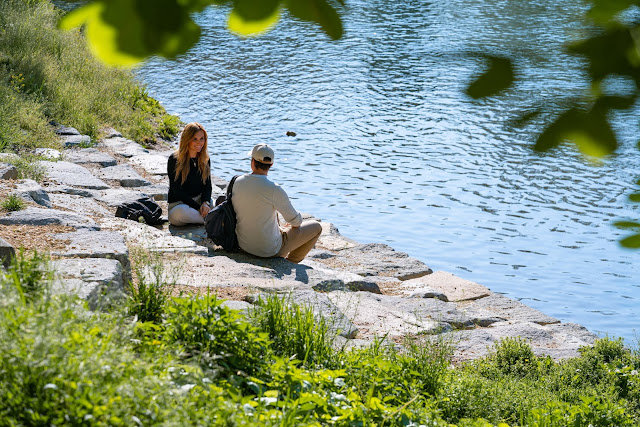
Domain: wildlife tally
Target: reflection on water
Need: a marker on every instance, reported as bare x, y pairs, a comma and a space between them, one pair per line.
389, 149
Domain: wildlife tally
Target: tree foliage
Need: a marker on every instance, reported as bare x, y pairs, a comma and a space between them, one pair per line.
125, 32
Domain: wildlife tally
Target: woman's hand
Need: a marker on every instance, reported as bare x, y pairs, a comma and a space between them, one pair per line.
204, 209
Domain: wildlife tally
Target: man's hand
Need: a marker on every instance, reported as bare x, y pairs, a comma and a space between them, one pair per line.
204, 209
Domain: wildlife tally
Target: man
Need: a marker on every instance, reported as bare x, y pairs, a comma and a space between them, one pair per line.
257, 201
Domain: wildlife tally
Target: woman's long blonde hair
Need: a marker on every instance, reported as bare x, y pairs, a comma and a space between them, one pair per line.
182, 164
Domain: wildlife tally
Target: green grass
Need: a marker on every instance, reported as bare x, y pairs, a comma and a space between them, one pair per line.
199, 363
13, 203
50, 75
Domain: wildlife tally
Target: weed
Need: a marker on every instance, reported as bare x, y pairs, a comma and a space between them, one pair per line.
13, 203
149, 291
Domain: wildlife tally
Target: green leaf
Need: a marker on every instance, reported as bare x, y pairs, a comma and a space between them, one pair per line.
632, 242
319, 12
627, 225
124, 33
612, 52
634, 197
251, 17
604, 11
199, 5
498, 77
589, 131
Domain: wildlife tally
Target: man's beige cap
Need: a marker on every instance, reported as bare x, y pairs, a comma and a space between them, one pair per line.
263, 153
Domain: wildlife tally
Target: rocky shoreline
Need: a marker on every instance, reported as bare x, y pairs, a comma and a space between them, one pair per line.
368, 291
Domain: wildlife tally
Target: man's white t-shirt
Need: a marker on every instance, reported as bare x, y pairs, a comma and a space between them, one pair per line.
256, 201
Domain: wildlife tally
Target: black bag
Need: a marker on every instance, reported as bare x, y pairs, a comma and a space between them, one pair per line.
146, 208
220, 223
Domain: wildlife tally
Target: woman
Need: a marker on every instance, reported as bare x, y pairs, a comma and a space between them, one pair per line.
189, 171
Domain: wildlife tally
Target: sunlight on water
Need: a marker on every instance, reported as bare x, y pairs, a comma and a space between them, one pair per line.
389, 149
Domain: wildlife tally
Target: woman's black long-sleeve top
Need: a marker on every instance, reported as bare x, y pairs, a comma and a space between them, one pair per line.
192, 186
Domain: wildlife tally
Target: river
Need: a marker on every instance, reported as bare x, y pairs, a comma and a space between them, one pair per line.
390, 150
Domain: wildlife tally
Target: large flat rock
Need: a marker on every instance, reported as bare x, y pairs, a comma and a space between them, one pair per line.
85, 156
506, 308
332, 240
560, 341
75, 140
116, 196
87, 206
42, 216
8, 171
443, 283
154, 164
94, 244
124, 174
30, 190
122, 146
151, 238
73, 175
97, 280
376, 259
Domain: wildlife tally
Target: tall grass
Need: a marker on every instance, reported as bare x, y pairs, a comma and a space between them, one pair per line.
48, 74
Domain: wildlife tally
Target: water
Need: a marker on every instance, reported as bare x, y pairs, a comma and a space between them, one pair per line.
390, 150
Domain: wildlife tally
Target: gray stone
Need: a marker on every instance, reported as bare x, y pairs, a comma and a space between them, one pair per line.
506, 308
154, 164
151, 238
84, 205
73, 175
85, 156
67, 130
558, 341
237, 305
332, 240
381, 315
427, 293
159, 192
41, 216
324, 308
31, 191
221, 183
65, 189
95, 244
124, 147
375, 259
116, 196
124, 174
97, 280
48, 153
7, 252
8, 171
110, 132
9, 157
443, 283
75, 140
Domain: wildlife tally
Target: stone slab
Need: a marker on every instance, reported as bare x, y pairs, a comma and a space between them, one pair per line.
332, 240
151, 238
42, 216
65, 189
505, 308
124, 174
7, 252
159, 191
48, 153
558, 341
124, 147
97, 280
8, 171
155, 164
95, 244
116, 196
9, 157
31, 191
443, 283
73, 175
84, 205
376, 259
89, 156
67, 130
75, 140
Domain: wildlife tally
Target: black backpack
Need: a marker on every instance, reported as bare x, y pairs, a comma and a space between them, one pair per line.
145, 207
220, 223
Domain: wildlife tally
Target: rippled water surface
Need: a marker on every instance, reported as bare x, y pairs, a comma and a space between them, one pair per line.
390, 150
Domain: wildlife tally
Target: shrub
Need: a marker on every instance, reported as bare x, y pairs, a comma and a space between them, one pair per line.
514, 356
149, 292
13, 203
